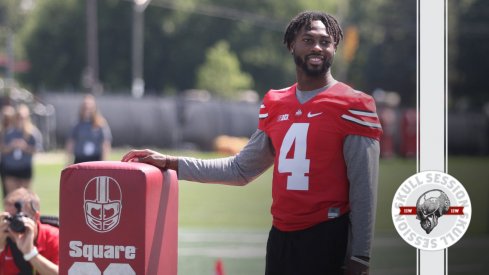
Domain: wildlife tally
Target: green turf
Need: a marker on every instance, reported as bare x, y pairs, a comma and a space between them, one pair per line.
473, 173
46, 185
221, 206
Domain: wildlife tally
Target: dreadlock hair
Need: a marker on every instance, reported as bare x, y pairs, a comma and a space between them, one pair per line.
305, 18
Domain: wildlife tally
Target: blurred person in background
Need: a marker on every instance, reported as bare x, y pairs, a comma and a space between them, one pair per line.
8, 122
19, 144
36, 249
322, 137
91, 138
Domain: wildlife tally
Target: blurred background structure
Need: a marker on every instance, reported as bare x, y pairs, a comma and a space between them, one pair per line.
201, 58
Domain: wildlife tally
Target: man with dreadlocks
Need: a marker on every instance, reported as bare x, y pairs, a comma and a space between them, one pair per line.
323, 138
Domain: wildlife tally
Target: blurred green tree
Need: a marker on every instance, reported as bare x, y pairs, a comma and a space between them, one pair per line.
221, 73
12, 14
53, 40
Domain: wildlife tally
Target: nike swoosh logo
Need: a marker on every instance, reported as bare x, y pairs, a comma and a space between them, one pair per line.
309, 115
7, 258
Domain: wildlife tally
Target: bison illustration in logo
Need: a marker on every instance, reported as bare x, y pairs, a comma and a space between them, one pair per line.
429, 207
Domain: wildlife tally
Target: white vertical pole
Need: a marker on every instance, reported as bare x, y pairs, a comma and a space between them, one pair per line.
431, 106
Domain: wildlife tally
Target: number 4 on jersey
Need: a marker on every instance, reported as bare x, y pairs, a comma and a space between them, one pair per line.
298, 165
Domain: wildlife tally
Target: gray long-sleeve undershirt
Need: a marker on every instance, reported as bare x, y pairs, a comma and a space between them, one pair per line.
361, 155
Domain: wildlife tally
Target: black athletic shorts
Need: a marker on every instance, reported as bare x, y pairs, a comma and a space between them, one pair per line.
24, 173
319, 250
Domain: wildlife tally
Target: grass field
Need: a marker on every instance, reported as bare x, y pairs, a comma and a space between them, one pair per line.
232, 223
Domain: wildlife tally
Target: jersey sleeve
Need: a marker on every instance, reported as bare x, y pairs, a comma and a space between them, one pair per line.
362, 160
255, 158
360, 117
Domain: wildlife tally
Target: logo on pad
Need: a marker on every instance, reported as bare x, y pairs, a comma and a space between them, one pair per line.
102, 203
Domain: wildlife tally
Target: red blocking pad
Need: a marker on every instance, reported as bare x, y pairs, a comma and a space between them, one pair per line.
118, 218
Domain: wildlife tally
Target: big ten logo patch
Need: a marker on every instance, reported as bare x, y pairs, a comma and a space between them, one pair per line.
431, 210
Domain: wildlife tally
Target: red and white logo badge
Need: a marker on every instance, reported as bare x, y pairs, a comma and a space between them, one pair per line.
102, 204
431, 210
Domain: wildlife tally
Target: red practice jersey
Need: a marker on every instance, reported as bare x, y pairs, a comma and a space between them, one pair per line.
310, 183
47, 244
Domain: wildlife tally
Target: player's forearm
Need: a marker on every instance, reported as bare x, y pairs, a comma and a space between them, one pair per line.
210, 171
362, 159
251, 162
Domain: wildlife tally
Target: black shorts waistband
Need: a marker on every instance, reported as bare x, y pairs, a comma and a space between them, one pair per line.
345, 218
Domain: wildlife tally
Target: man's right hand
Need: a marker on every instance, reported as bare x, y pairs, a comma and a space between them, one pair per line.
151, 157
25, 240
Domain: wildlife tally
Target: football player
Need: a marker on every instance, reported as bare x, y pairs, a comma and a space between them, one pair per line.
323, 138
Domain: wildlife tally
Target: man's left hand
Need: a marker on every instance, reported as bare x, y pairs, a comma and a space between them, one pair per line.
355, 268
